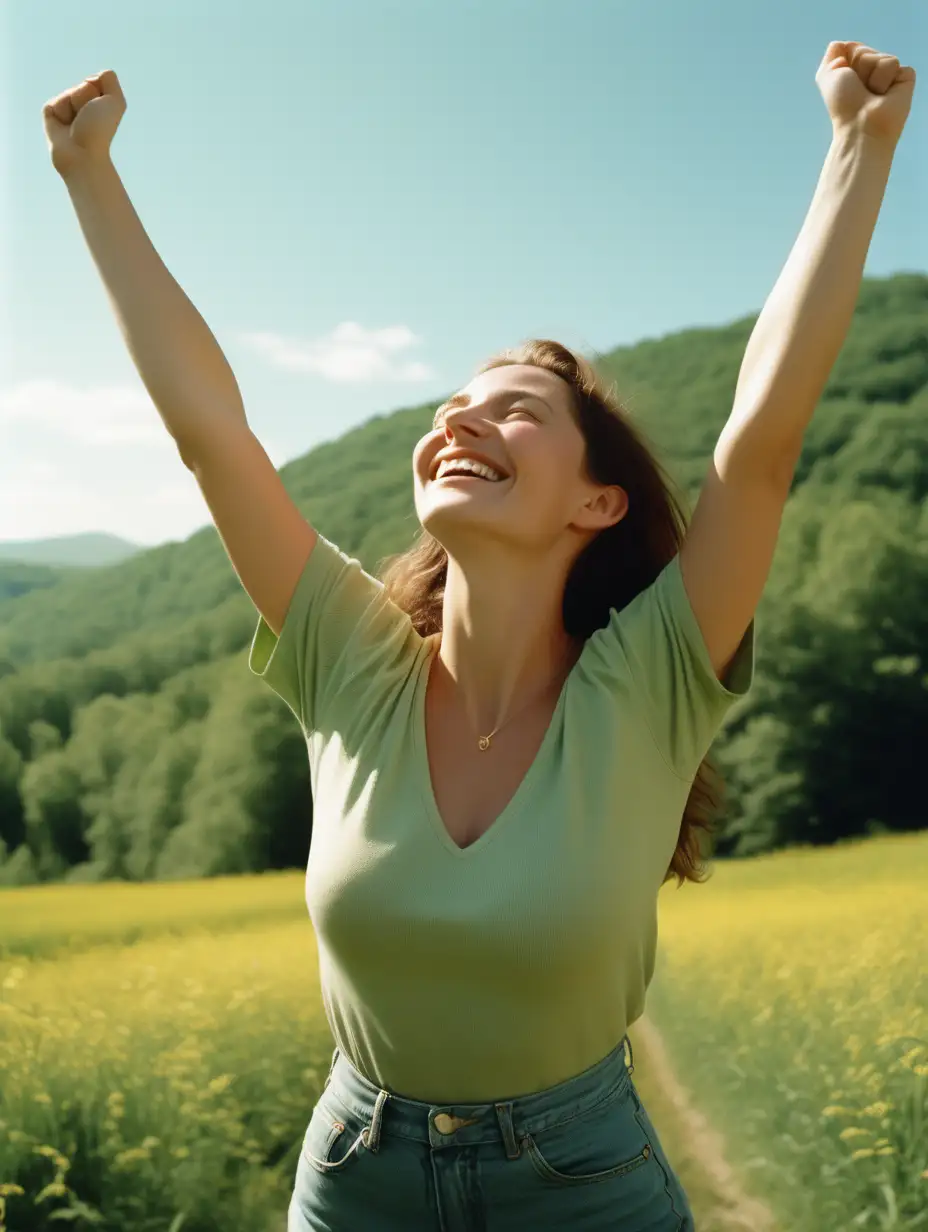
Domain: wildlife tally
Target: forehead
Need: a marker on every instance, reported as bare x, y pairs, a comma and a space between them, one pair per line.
519, 378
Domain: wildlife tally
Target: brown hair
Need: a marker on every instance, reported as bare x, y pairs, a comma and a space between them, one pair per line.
610, 571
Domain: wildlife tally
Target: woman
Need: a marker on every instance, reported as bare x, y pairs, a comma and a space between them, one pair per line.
505, 733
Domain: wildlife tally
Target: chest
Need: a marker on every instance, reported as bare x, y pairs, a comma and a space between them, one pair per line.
473, 787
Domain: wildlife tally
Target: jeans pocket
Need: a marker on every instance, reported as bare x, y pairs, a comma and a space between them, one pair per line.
603, 1142
333, 1138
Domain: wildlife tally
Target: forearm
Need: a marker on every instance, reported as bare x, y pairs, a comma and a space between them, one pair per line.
180, 362
805, 320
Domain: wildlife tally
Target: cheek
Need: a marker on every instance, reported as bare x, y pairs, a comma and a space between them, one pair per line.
546, 473
421, 448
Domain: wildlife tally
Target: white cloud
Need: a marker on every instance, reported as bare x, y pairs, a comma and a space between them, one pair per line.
142, 495
94, 459
112, 415
91, 459
350, 354
100, 458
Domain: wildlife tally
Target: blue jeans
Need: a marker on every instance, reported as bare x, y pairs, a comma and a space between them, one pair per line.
581, 1156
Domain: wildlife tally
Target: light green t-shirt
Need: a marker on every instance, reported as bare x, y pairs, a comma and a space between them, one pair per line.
470, 975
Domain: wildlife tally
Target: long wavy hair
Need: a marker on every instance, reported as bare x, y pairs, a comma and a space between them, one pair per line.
610, 571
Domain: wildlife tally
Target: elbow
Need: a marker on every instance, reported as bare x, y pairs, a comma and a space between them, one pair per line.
185, 455
188, 453
743, 460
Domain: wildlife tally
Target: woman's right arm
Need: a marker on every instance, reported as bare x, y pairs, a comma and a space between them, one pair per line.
177, 357
185, 372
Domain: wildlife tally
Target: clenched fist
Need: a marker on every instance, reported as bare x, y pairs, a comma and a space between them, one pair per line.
866, 89
80, 123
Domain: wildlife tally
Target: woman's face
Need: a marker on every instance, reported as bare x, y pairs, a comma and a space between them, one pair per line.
519, 420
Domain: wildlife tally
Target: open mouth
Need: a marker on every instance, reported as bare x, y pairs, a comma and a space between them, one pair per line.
470, 470
466, 482
466, 478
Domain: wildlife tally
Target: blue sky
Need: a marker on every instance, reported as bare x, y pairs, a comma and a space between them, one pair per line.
365, 197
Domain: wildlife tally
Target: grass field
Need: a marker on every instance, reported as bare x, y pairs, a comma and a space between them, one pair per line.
162, 1046
792, 994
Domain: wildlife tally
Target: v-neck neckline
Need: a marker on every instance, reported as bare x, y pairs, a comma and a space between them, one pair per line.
424, 773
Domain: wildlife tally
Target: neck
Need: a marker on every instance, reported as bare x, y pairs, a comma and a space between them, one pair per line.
503, 641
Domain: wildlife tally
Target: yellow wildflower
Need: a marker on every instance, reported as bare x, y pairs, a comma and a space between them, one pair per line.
53, 1190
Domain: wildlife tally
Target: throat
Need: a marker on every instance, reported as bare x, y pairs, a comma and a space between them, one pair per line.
494, 720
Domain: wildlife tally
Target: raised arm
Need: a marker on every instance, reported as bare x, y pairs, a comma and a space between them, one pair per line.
730, 542
180, 362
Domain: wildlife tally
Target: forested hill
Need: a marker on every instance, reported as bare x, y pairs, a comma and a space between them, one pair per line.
32, 564
18, 579
134, 742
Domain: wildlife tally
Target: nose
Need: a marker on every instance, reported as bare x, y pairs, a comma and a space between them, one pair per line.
462, 419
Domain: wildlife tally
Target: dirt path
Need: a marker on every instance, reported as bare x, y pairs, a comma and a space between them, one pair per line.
695, 1148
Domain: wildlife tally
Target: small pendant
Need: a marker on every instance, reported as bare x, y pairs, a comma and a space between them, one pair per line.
483, 742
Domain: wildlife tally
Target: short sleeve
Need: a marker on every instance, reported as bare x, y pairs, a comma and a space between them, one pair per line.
682, 699
340, 629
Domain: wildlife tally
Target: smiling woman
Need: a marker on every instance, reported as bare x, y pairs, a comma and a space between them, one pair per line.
507, 737
503, 736
540, 415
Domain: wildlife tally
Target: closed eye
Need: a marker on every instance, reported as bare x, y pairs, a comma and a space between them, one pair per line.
513, 410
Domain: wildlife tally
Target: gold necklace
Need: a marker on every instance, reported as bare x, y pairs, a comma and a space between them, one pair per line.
483, 742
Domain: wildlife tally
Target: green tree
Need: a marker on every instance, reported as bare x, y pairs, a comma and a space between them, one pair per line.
56, 824
12, 819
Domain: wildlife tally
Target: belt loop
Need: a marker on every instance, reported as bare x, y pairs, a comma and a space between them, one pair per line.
371, 1135
331, 1067
504, 1115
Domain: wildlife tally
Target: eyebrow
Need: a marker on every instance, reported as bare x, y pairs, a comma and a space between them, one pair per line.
463, 399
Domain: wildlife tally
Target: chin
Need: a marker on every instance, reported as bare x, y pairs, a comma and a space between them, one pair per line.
445, 518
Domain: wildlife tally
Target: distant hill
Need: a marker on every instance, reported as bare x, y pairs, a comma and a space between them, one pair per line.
134, 743
93, 549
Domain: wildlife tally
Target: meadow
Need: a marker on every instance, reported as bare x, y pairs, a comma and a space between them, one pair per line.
793, 998
162, 1045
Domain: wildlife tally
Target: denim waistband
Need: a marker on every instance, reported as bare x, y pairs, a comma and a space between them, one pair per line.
443, 1125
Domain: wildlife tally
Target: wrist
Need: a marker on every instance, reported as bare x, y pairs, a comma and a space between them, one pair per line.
87, 170
850, 135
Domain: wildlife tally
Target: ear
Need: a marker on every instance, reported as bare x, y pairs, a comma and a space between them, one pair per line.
606, 505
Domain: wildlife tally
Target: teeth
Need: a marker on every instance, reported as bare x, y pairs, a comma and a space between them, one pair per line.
466, 466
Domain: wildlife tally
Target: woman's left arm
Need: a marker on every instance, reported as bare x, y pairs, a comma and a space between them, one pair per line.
729, 545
